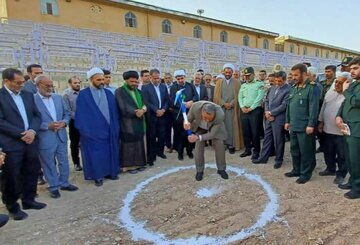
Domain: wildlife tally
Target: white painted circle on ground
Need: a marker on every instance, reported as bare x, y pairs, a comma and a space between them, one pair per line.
139, 232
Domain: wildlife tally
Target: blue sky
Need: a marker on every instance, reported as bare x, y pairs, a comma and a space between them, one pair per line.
327, 21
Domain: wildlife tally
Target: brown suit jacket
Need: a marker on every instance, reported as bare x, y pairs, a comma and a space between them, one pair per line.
217, 128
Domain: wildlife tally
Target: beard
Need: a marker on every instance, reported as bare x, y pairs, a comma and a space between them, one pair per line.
228, 77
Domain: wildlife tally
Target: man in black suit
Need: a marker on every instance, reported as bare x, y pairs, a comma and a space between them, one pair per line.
200, 89
275, 111
190, 96
19, 123
168, 82
156, 98
209, 88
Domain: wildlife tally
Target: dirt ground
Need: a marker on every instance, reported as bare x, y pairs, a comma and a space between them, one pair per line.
314, 213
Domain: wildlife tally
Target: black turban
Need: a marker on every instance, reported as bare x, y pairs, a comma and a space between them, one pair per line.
130, 74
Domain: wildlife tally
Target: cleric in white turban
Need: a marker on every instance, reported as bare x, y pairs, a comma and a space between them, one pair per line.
226, 95
179, 73
97, 120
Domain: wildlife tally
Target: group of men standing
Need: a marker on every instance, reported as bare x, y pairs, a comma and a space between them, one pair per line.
126, 128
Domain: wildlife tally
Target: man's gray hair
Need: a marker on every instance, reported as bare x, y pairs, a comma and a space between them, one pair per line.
345, 74
312, 70
209, 108
40, 78
197, 74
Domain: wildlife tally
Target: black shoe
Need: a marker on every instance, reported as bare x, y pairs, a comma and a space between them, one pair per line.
352, 194
162, 155
33, 205
206, 144
223, 174
41, 180
99, 182
69, 188
245, 154
302, 180
327, 173
346, 186
112, 177
55, 194
78, 167
18, 215
291, 174
231, 150
180, 157
151, 163
255, 156
259, 161
134, 171
190, 155
199, 176
141, 169
277, 165
339, 180
3, 219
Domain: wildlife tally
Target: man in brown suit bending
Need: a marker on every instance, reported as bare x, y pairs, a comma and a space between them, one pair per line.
206, 121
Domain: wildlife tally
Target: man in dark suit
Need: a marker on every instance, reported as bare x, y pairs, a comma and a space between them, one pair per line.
200, 88
19, 123
155, 97
209, 88
190, 96
168, 82
275, 111
33, 71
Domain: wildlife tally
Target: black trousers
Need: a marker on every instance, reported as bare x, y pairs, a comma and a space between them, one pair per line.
180, 137
156, 137
74, 136
251, 129
168, 127
334, 152
20, 175
274, 138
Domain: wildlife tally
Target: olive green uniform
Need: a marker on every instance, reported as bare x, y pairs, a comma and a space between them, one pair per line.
302, 112
350, 113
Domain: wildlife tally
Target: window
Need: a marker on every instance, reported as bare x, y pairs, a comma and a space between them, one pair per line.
317, 52
265, 44
197, 32
49, 7
292, 48
130, 20
304, 50
224, 37
246, 40
336, 55
166, 26
327, 54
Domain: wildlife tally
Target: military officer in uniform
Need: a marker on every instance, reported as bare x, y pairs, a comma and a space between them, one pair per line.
301, 120
348, 120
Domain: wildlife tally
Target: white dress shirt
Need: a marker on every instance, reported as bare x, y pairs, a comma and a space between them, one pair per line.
50, 106
157, 89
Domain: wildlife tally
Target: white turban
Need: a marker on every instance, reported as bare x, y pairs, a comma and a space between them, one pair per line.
229, 65
179, 73
220, 76
94, 71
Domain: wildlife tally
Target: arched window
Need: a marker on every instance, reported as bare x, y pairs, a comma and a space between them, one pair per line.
166, 26
317, 52
197, 32
305, 51
130, 20
246, 40
327, 55
224, 37
265, 44
336, 55
292, 48
49, 7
